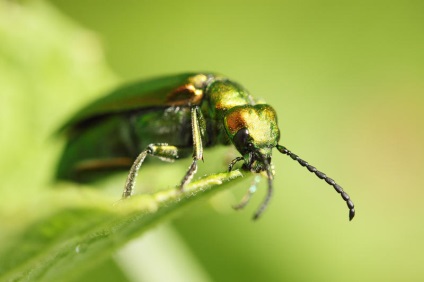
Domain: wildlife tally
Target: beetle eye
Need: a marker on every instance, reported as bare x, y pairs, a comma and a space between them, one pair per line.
242, 140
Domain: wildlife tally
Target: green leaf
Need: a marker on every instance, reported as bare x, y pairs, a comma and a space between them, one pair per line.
73, 239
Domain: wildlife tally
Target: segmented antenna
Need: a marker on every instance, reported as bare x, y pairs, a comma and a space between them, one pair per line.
321, 175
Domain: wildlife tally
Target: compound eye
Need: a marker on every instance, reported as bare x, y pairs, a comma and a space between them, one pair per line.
242, 140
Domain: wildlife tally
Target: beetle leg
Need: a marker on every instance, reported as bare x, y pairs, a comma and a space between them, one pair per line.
249, 193
163, 151
197, 130
189, 175
202, 122
270, 177
233, 162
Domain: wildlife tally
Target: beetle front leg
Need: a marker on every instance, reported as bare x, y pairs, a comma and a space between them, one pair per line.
197, 127
163, 151
252, 189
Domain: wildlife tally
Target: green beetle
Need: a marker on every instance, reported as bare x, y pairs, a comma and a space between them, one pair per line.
171, 118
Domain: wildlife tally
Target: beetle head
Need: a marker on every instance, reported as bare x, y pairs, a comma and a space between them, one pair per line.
254, 132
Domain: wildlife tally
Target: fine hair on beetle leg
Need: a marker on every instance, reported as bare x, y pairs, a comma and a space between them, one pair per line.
161, 150
189, 175
197, 147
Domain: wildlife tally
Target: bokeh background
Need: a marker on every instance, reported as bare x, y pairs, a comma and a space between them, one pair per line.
345, 77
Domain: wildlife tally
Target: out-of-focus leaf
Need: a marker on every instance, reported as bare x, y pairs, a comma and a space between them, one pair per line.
69, 241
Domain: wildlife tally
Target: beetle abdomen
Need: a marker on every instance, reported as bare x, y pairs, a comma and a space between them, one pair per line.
110, 144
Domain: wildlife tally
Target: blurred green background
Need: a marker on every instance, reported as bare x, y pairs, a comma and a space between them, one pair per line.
346, 79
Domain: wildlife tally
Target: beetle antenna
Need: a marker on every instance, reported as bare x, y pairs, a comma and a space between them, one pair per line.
321, 175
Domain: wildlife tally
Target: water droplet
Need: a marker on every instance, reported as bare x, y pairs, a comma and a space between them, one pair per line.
81, 248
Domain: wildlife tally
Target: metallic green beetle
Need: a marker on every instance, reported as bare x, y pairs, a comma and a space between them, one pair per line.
171, 118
